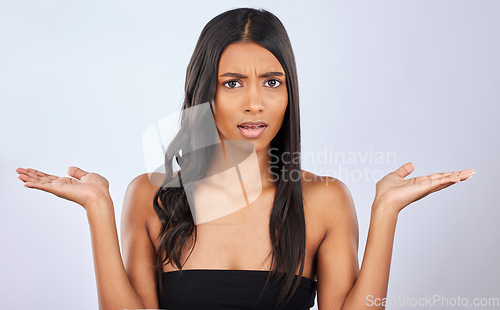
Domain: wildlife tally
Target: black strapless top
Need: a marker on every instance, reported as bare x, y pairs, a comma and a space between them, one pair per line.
228, 289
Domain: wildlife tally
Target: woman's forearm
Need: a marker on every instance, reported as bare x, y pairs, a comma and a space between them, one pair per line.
113, 285
371, 285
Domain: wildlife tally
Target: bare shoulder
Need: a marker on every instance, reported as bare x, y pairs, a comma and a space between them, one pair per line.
144, 186
327, 199
138, 201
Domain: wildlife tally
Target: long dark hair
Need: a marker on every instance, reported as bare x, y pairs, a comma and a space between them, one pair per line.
287, 223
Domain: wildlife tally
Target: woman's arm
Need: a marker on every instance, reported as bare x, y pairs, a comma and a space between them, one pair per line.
139, 255
113, 285
373, 279
342, 290
90, 190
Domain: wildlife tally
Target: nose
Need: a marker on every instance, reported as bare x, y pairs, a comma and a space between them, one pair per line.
253, 102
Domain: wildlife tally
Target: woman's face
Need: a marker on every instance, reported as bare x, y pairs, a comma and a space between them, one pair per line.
251, 95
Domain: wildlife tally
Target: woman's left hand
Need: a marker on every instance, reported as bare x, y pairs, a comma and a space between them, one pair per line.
395, 192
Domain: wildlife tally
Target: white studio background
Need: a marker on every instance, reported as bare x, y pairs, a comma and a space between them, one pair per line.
382, 83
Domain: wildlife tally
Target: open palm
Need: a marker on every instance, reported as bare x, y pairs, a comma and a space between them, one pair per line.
398, 192
81, 187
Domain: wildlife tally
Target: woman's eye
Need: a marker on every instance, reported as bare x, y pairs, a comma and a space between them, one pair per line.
231, 84
273, 83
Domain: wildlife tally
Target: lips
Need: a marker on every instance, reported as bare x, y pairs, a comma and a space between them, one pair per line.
258, 123
252, 129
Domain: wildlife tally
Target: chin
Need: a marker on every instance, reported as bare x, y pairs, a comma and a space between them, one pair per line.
247, 145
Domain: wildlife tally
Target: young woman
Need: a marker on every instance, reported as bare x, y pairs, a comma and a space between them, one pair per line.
244, 231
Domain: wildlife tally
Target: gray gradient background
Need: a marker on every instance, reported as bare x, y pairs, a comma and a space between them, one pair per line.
81, 80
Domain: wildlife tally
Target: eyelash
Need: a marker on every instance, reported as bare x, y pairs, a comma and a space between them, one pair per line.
273, 79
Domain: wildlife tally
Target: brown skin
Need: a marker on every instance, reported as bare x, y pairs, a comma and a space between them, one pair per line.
261, 95
331, 223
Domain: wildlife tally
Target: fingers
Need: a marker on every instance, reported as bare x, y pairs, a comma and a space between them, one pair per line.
452, 176
465, 174
46, 186
405, 170
439, 181
32, 172
34, 176
76, 172
435, 176
445, 180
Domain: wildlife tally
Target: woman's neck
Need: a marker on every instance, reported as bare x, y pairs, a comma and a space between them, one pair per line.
252, 166
236, 177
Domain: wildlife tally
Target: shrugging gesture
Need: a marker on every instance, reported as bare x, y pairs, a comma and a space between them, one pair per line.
393, 193
91, 190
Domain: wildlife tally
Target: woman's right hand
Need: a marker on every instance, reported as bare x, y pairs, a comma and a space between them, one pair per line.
82, 187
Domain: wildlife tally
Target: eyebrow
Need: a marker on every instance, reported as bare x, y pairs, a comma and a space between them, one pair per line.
242, 76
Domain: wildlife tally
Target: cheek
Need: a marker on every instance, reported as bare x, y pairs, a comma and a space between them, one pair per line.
277, 119
283, 99
219, 108
281, 108
222, 116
